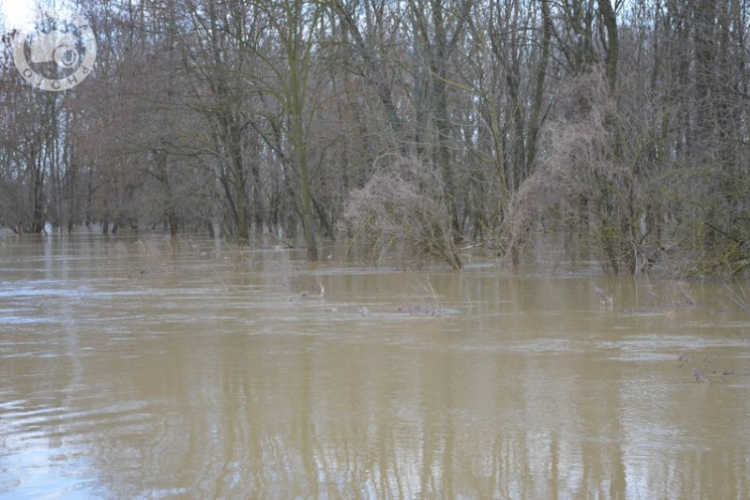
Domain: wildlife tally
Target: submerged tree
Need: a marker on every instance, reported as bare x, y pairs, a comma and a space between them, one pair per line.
618, 126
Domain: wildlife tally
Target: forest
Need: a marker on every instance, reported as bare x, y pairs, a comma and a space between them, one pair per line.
618, 128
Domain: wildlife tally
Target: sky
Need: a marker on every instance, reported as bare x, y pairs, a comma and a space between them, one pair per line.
17, 13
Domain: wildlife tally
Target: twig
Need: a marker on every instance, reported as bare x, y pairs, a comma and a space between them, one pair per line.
220, 278
740, 300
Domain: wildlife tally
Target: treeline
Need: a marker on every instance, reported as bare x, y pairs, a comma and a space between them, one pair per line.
432, 125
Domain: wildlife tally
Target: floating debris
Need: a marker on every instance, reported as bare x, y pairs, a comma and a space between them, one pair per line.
705, 368
700, 376
424, 311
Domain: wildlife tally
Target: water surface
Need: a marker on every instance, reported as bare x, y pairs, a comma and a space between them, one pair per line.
136, 368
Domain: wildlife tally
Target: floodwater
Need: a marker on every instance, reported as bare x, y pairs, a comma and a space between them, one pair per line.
131, 368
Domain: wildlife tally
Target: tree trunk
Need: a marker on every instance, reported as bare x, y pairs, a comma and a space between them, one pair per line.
609, 17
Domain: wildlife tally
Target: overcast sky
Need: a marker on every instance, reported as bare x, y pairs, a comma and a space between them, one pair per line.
20, 13
17, 13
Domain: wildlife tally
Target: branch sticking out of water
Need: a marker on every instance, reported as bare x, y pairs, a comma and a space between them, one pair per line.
220, 278
606, 300
741, 298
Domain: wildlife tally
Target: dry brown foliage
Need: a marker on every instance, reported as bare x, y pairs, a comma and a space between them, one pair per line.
404, 203
594, 176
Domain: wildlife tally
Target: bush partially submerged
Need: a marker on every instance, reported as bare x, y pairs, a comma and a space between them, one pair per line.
598, 177
404, 204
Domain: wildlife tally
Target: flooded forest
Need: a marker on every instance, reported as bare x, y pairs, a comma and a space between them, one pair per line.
374, 249
422, 127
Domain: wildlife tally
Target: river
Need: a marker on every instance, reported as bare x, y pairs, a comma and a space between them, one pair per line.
135, 368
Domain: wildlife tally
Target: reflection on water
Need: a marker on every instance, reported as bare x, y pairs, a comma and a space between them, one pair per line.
140, 369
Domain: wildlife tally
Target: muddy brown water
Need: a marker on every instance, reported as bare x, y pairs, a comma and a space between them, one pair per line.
134, 368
